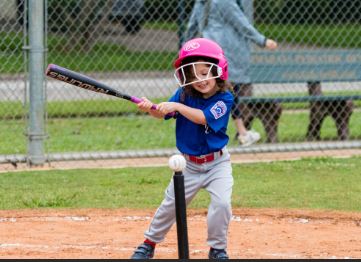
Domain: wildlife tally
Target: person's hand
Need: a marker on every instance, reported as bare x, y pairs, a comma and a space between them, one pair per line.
167, 107
271, 44
145, 105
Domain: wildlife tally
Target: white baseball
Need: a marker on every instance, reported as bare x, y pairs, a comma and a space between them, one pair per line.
177, 163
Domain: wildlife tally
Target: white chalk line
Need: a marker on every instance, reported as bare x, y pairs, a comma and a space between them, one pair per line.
55, 248
239, 219
41, 247
71, 218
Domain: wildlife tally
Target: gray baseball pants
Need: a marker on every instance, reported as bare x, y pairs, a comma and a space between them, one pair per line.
215, 177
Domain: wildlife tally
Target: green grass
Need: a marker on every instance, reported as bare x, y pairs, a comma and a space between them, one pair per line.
321, 183
136, 132
102, 57
144, 132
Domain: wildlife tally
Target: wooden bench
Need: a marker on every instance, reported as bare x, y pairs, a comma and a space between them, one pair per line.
339, 109
303, 66
269, 109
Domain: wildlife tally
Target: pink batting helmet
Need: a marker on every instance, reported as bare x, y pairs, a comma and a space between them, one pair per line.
205, 48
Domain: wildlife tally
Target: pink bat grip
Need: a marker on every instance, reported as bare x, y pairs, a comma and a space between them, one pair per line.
154, 106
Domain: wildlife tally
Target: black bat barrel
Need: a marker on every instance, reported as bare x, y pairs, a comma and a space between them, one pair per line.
181, 215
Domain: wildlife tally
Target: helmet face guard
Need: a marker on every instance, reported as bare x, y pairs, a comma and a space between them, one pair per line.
187, 74
202, 47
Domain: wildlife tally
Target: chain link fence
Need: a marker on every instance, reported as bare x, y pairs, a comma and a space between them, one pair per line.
13, 84
305, 95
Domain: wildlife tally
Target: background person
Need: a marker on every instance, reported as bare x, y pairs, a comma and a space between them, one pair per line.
225, 23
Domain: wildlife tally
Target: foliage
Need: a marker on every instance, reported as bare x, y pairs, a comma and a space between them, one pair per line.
331, 36
165, 10
307, 11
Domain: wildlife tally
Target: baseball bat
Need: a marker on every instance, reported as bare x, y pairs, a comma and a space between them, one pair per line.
85, 82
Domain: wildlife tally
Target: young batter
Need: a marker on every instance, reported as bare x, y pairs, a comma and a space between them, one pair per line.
202, 105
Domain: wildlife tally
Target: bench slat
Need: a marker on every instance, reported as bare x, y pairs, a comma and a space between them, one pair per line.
297, 99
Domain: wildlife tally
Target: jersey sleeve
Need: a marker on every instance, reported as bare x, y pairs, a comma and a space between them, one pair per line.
217, 114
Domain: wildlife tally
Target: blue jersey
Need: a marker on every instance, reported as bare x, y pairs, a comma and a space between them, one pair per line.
195, 139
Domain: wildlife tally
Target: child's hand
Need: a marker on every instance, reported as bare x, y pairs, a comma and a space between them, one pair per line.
167, 107
145, 105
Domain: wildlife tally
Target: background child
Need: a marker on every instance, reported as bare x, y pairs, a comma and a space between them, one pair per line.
202, 105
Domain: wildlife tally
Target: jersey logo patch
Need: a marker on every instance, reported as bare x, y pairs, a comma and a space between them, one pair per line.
219, 109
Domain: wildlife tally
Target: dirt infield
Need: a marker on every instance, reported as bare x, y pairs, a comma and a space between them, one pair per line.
105, 233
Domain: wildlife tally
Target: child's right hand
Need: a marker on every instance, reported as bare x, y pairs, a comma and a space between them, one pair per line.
145, 105
167, 107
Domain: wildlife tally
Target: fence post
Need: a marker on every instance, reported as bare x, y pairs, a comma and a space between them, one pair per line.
36, 132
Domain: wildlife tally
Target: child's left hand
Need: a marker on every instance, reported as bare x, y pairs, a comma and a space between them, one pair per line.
167, 107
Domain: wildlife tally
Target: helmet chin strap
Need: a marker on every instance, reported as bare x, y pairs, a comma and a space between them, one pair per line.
219, 70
